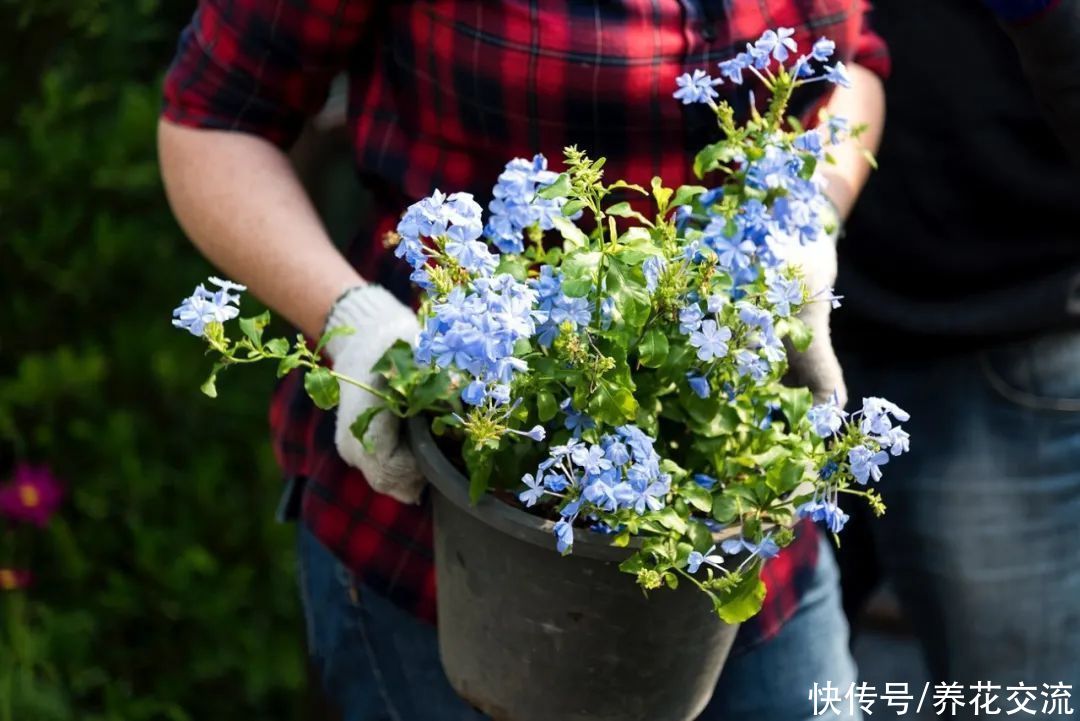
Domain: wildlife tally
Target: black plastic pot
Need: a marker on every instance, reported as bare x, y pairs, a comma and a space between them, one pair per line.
528, 635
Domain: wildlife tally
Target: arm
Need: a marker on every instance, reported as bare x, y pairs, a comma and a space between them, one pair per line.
239, 201
245, 77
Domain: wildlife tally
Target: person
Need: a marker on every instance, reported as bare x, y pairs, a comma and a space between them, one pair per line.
441, 95
960, 272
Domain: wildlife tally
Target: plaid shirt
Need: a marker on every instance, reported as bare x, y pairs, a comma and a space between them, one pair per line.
441, 95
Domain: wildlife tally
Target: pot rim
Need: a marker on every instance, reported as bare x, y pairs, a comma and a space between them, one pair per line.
452, 485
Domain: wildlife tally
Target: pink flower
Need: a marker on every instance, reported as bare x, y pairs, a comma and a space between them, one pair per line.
32, 495
12, 579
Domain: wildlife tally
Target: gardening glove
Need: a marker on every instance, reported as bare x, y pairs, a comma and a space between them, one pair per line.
817, 368
379, 320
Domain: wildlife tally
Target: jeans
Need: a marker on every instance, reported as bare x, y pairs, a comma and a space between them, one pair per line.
378, 663
981, 538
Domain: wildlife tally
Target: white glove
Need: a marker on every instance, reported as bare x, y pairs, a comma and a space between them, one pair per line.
817, 368
379, 320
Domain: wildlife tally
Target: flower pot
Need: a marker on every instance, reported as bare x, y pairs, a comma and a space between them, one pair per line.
528, 635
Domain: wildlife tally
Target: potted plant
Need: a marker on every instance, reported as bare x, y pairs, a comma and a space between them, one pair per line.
610, 406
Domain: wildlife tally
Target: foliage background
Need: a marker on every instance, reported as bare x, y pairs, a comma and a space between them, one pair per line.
164, 590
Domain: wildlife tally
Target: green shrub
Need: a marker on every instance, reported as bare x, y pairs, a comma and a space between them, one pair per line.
164, 590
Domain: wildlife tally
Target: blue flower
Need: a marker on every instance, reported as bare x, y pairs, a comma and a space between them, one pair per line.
779, 42
748, 363
896, 440
823, 50
809, 142
699, 384
824, 512
826, 418
838, 75
690, 318
866, 464
607, 312
534, 491
705, 481
564, 537
828, 470
576, 421
766, 549
696, 558
652, 268
696, 88
204, 306
782, 293
472, 255
474, 393
875, 415
711, 340
733, 69
516, 206
615, 451
591, 459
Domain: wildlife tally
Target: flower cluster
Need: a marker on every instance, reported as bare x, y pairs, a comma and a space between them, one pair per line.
476, 331
456, 219
555, 309
516, 207
620, 473
204, 306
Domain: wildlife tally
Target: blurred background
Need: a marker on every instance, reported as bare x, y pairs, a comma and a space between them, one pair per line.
162, 588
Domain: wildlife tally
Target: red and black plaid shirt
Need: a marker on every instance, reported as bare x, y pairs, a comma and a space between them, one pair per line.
441, 94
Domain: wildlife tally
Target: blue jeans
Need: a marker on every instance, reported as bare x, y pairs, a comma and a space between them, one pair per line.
378, 663
981, 536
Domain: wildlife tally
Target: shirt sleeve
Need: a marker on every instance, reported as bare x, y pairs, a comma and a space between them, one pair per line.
261, 66
871, 52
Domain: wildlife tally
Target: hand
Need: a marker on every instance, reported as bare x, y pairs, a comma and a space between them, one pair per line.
379, 320
817, 368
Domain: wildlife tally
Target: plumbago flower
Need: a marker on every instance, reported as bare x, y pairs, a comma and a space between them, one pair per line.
622, 376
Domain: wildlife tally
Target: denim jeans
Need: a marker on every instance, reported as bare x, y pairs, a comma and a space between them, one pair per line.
981, 538
378, 663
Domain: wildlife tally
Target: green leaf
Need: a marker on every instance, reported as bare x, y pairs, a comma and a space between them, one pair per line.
786, 477
572, 234
686, 193
712, 156
700, 535
322, 387
623, 210
744, 600
662, 194
573, 206
797, 332
725, 508
653, 350
398, 367
619, 184
794, 403
698, 497
288, 363
359, 427
209, 386
427, 393
479, 464
626, 285
252, 328
277, 347
669, 518
341, 330
579, 272
559, 188
546, 406
612, 404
